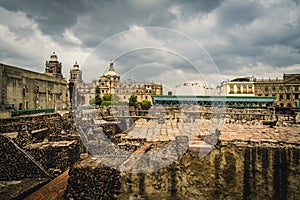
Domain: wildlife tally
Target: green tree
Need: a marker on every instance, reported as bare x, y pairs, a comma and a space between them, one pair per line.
107, 97
132, 100
145, 104
110, 103
98, 99
97, 90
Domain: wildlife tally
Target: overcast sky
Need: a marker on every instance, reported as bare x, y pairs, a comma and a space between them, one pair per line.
192, 40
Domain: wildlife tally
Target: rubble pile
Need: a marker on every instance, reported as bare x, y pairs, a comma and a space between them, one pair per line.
36, 128
15, 165
50, 139
56, 157
111, 130
32, 122
89, 179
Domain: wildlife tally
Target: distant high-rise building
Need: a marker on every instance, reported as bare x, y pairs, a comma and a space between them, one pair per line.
53, 67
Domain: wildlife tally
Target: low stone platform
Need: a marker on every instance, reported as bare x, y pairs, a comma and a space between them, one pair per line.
152, 131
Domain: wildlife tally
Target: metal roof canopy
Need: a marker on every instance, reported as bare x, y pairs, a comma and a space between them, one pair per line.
181, 98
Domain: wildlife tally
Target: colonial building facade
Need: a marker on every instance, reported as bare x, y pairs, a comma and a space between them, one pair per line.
141, 90
110, 83
286, 90
24, 89
239, 87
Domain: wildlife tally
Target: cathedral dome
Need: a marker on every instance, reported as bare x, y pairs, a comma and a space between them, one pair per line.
53, 57
76, 66
111, 71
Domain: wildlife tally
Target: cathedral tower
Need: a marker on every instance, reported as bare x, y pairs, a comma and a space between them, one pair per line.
75, 74
53, 67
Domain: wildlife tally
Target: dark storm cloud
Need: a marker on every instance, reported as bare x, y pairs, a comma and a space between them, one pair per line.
102, 19
243, 13
234, 33
54, 16
192, 7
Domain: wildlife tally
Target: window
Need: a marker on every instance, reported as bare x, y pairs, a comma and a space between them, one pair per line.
288, 97
238, 89
259, 88
245, 89
231, 89
280, 97
288, 88
281, 88
266, 88
273, 88
296, 88
250, 90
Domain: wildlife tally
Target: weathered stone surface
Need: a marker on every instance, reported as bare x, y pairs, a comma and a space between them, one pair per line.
89, 179
56, 157
18, 189
229, 173
15, 165
40, 146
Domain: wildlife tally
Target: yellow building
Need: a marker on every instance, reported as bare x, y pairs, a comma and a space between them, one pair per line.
286, 90
239, 87
110, 83
142, 90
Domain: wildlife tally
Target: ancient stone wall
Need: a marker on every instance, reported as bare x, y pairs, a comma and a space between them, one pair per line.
229, 173
232, 172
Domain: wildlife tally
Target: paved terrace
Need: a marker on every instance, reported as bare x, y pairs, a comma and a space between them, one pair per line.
152, 131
